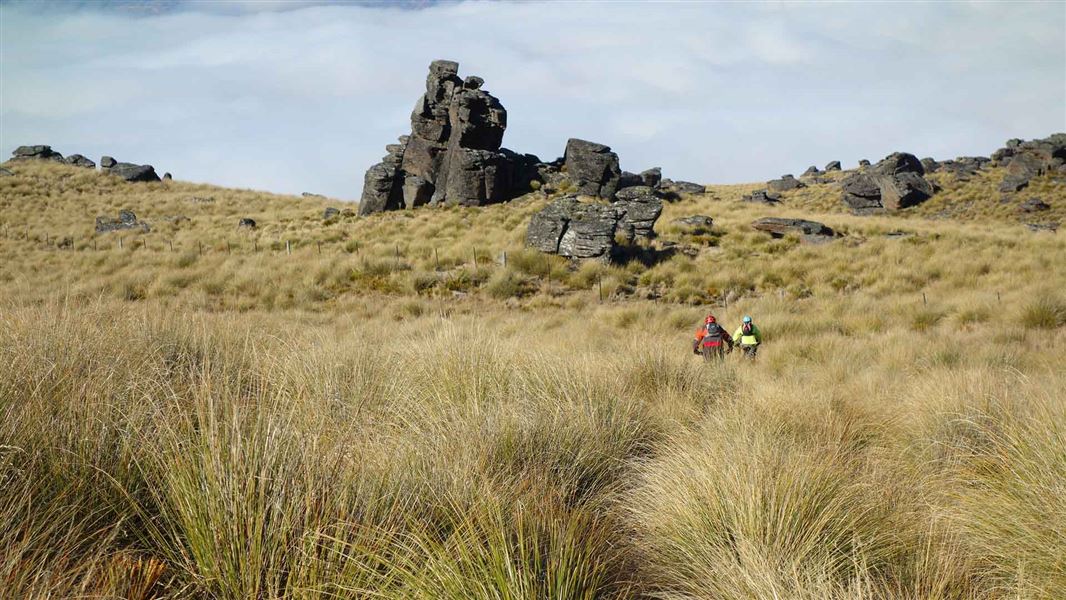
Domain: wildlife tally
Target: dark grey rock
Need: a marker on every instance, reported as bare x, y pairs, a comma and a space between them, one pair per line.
80, 161
864, 163
39, 152
126, 220
762, 197
809, 231
811, 171
683, 187
592, 168
832, 166
652, 177
585, 230
246, 223
167, 176
637, 214
133, 173
106, 162
634, 192
893, 183
310, 195
629, 180
1034, 205
786, 183
929, 164
330, 212
1026, 160
698, 222
6, 172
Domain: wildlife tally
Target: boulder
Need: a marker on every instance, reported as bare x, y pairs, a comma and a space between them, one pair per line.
329, 213
133, 173
6, 172
682, 187
126, 220
652, 177
762, 197
39, 152
167, 176
809, 231
786, 183
864, 163
585, 230
106, 162
832, 166
1050, 227
929, 164
811, 171
246, 223
1033, 205
893, 183
629, 180
80, 161
698, 222
592, 168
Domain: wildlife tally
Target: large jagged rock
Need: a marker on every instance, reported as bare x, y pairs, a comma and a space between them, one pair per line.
39, 152
809, 231
453, 154
585, 230
893, 183
592, 168
762, 197
1026, 160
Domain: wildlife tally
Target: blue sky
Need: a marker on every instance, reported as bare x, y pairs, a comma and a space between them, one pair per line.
292, 97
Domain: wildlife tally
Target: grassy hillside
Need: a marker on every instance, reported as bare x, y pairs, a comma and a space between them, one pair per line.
385, 420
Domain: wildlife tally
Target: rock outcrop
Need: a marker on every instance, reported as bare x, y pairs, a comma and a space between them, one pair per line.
809, 231
453, 154
1026, 160
834, 165
695, 222
246, 223
584, 230
762, 197
682, 187
893, 183
128, 171
786, 183
126, 220
80, 161
39, 152
811, 172
1033, 205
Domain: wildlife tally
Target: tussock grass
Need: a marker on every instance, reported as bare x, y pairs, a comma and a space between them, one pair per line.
387, 420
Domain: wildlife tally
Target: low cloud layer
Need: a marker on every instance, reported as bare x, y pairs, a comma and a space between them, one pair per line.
305, 99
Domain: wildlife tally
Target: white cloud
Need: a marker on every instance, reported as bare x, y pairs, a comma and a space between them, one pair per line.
306, 98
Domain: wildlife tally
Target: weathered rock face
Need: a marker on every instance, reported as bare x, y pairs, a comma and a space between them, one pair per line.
893, 183
832, 166
126, 220
80, 161
929, 164
811, 171
762, 197
592, 167
786, 183
695, 222
682, 187
809, 231
168, 177
246, 223
39, 152
453, 154
652, 177
864, 163
330, 212
106, 162
1026, 160
582, 230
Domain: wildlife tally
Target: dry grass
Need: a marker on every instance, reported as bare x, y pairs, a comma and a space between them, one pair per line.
305, 426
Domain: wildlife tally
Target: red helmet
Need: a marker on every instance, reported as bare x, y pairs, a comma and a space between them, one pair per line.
710, 319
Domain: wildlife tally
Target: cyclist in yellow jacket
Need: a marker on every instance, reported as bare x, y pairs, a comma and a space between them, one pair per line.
748, 337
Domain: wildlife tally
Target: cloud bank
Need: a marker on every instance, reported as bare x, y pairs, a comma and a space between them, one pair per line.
305, 98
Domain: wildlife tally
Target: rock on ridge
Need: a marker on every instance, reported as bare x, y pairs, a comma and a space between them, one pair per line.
893, 183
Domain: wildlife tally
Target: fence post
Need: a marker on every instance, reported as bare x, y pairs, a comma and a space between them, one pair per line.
172, 245
201, 246
924, 300
599, 283
436, 258
229, 250
120, 243
474, 248
94, 243
288, 247
255, 246
505, 259
320, 248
